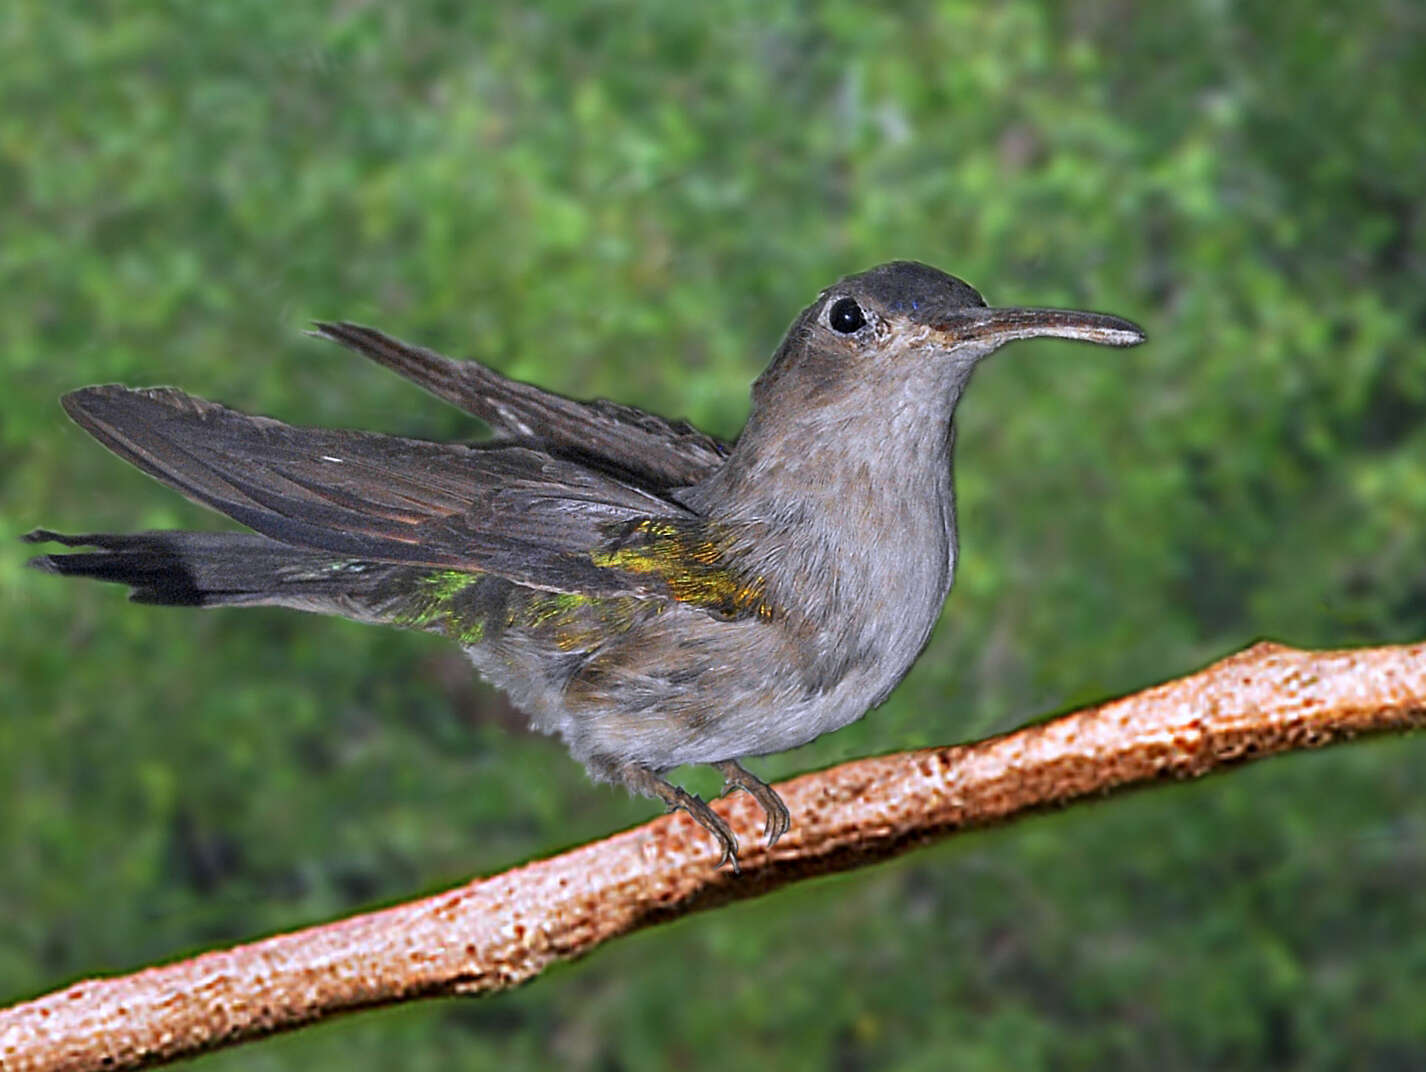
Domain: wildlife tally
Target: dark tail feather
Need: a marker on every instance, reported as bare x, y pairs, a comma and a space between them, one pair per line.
209, 569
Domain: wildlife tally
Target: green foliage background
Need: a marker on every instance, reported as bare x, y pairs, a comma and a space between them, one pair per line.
632, 200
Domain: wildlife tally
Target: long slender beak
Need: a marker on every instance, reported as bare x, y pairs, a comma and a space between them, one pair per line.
1003, 325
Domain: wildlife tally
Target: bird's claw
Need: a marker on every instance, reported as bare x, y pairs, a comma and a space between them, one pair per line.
643, 780
779, 819
694, 806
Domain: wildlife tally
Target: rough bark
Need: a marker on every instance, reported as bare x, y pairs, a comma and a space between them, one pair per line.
497, 932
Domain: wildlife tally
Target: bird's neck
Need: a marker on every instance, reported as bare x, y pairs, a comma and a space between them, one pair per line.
856, 471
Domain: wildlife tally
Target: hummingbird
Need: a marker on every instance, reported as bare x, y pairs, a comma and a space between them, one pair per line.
651, 594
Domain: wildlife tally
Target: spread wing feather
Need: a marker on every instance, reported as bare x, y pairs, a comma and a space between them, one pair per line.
506, 509
643, 447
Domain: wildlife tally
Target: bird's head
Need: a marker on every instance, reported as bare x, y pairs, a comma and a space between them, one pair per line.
861, 393
902, 331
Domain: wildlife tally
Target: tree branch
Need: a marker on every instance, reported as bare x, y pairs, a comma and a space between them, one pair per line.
497, 932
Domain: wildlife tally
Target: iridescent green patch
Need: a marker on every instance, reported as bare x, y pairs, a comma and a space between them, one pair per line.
433, 606
550, 607
572, 621
689, 559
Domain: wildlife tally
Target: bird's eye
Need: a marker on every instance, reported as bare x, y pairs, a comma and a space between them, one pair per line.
845, 316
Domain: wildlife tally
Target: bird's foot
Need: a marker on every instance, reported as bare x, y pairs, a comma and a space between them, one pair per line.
643, 780
779, 819
710, 820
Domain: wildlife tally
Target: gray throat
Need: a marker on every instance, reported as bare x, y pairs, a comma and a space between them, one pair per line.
857, 539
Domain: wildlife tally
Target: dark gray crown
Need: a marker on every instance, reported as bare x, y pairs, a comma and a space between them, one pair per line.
910, 286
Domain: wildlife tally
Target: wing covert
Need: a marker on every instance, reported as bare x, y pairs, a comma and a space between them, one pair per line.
624, 440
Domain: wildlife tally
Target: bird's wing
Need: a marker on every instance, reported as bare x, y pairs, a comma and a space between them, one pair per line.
626, 441
512, 511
